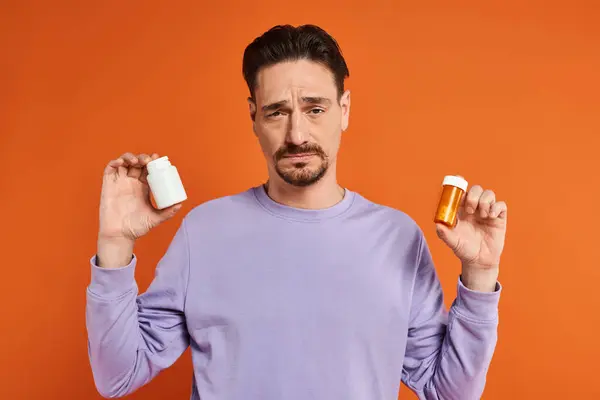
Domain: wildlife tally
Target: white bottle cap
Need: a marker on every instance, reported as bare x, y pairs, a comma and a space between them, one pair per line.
159, 163
456, 180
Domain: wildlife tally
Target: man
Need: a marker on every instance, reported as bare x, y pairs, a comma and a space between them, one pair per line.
298, 288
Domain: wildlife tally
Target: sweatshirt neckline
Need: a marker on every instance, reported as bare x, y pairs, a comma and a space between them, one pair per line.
302, 214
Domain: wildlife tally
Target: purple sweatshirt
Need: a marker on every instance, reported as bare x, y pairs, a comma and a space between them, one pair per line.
279, 303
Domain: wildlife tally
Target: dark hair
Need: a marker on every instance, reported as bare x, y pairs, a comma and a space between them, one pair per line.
289, 43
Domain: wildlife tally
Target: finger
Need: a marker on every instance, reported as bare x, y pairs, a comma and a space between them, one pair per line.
144, 175
499, 210
113, 165
472, 199
136, 170
448, 236
116, 163
167, 213
117, 166
143, 159
485, 203
129, 159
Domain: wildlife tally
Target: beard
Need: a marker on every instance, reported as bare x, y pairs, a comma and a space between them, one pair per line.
301, 174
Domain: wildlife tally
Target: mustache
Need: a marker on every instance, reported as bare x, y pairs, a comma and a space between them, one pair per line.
292, 149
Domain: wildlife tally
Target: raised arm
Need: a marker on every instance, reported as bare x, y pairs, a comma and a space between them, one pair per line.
132, 337
448, 354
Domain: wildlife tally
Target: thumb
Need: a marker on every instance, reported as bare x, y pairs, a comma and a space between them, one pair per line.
447, 235
168, 213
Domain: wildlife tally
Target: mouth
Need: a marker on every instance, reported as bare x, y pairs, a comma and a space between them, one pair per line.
298, 157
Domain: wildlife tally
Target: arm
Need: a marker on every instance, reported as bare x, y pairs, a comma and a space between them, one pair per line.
132, 338
448, 353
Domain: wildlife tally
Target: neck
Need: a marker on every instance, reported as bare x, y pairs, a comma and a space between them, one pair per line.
322, 194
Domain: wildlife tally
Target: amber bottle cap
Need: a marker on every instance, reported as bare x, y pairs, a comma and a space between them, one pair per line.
456, 180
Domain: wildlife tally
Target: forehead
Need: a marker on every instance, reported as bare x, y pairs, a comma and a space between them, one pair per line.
302, 78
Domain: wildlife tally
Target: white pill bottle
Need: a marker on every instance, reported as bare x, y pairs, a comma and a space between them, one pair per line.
165, 183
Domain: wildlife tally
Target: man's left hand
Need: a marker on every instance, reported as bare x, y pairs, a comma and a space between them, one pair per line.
478, 238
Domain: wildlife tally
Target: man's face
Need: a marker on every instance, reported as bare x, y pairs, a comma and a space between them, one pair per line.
299, 120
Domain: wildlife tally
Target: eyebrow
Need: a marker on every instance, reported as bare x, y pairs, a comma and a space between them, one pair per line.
310, 100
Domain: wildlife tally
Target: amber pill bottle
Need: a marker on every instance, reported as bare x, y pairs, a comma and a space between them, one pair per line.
454, 188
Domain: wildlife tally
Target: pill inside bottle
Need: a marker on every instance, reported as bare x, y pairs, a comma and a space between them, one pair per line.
454, 188
165, 183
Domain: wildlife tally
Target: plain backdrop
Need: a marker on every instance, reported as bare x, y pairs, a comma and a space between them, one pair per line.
503, 93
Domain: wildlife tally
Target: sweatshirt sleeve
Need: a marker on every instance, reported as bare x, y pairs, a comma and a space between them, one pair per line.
131, 337
448, 352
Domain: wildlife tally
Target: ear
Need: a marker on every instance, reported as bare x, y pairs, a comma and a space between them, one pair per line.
252, 111
345, 105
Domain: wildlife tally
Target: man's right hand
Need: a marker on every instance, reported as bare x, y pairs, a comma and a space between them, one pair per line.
126, 212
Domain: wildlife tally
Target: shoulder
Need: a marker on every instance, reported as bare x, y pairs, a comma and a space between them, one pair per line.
385, 214
394, 228
223, 208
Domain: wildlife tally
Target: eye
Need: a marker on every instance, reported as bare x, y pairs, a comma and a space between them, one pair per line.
274, 114
316, 111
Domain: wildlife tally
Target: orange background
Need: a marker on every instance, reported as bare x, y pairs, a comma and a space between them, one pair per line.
506, 95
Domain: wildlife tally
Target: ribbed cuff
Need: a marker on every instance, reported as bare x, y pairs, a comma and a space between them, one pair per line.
110, 283
477, 306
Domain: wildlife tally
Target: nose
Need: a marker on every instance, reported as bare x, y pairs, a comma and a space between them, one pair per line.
297, 132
